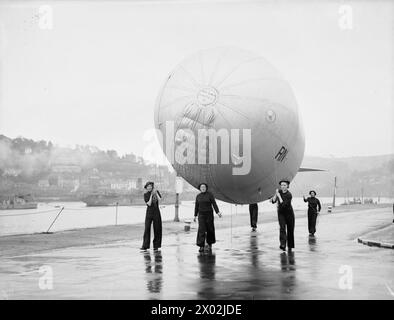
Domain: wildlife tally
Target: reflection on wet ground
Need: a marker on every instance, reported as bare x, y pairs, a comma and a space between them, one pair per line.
312, 243
287, 262
153, 269
242, 265
206, 262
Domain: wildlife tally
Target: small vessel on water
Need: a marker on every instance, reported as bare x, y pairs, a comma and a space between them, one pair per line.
107, 199
18, 202
104, 199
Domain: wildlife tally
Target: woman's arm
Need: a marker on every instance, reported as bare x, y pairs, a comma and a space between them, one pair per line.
274, 198
318, 205
277, 194
148, 199
213, 201
158, 195
196, 207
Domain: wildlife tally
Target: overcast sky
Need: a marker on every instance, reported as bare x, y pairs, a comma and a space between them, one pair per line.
93, 78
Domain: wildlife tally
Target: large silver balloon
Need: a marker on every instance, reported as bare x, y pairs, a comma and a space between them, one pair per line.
229, 88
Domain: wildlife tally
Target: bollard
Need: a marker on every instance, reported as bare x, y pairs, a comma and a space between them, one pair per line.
187, 225
329, 209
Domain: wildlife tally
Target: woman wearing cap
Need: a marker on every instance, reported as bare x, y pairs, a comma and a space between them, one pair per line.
314, 208
203, 209
152, 197
285, 215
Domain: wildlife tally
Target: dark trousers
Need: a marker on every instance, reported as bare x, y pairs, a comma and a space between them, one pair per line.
253, 212
154, 217
286, 229
206, 229
312, 217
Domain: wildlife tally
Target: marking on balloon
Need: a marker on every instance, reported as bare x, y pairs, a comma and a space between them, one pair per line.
207, 96
193, 116
280, 156
210, 118
270, 116
196, 120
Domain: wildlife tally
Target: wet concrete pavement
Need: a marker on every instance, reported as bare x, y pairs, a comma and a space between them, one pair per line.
243, 265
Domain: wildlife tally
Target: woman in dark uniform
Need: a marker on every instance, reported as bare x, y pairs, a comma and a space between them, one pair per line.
203, 209
152, 197
314, 208
285, 215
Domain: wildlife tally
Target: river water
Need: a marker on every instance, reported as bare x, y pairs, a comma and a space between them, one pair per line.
76, 215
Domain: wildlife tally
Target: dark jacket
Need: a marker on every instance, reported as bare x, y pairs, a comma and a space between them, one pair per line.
313, 204
154, 207
284, 207
204, 203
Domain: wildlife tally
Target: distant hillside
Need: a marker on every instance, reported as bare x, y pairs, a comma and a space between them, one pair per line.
42, 168
372, 175
27, 159
353, 163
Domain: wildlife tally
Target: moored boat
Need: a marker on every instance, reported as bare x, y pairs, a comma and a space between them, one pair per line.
18, 202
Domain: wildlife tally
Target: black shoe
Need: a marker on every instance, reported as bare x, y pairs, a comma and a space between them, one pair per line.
156, 249
253, 229
143, 249
201, 249
290, 249
209, 248
282, 248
